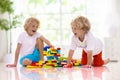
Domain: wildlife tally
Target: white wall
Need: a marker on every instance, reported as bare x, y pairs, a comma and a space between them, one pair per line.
3, 44
112, 43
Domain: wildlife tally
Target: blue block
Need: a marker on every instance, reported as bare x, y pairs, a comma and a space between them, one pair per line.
46, 47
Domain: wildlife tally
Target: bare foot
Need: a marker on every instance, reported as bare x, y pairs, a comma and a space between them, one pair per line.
106, 61
26, 62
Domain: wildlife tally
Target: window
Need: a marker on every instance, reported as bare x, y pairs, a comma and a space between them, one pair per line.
56, 15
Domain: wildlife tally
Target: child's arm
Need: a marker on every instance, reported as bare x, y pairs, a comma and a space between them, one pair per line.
17, 53
70, 56
16, 56
89, 57
46, 41
69, 64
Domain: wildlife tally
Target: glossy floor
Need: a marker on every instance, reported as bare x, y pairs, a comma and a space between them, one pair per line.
110, 71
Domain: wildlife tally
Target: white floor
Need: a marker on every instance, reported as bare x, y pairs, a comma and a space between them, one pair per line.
110, 71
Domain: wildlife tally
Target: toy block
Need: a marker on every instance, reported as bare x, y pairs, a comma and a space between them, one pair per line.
76, 64
45, 66
46, 47
50, 64
54, 61
63, 63
31, 66
58, 50
58, 55
40, 63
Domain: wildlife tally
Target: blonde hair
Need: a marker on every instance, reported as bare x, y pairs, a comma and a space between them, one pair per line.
29, 21
81, 23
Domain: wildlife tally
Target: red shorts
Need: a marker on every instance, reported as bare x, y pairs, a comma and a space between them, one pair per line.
97, 59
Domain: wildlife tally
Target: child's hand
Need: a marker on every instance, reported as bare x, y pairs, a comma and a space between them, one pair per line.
52, 46
68, 66
10, 65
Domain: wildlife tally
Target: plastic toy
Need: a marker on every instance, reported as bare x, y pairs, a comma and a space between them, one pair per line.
54, 59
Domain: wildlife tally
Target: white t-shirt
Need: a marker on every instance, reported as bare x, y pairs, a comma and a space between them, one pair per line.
28, 42
90, 42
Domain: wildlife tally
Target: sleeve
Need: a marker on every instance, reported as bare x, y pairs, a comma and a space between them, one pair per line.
90, 42
20, 39
73, 45
38, 35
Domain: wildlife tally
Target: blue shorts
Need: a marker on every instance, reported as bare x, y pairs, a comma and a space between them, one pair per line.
34, 57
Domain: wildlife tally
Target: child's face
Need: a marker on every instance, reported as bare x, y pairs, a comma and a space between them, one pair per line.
77, 32
32, 29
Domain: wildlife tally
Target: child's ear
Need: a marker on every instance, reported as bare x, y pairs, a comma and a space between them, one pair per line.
85, 30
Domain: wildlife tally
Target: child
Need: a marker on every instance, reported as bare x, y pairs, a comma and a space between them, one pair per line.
83, 38
30, 44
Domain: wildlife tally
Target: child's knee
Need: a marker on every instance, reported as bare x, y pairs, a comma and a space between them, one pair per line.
98, 63
39, 42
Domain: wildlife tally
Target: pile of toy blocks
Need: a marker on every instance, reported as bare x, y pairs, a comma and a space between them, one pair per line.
54, 59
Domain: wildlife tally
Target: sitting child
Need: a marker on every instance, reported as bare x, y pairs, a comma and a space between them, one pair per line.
30, 44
